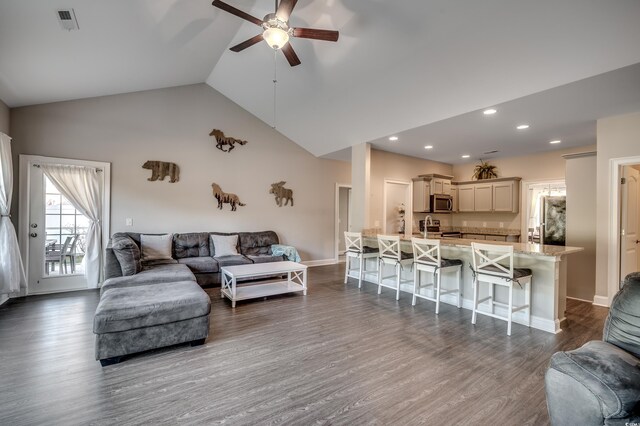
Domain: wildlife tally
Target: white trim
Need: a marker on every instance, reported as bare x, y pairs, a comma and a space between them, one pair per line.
408, 215
3, 298
25, 165
336, 218
613, 232
580, 155
580, 300
320, 262
601, 301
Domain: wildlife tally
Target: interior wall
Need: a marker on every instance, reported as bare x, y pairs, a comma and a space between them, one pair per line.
396, 196
5, 120
173, 125
543, 166
581, 226
618, 137
344, 194
387, 165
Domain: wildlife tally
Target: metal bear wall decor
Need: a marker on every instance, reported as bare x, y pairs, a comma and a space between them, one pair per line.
162, 169
225, 197
223, 140
281, 193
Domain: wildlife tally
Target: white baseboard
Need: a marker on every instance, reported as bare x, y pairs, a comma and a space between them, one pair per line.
3, 298
601, 301
580, 300
321, 262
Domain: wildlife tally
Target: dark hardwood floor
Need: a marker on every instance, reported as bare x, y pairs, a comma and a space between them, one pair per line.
338, 356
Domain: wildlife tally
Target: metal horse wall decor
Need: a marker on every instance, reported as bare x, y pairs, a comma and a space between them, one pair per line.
222, 140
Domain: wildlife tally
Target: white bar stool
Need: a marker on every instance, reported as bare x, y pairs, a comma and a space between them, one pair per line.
390, 254
355, 249
486, 268
426, 258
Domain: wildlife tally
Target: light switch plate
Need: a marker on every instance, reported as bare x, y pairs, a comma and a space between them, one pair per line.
128, 221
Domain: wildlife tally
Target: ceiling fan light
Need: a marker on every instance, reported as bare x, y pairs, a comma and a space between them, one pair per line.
276, 38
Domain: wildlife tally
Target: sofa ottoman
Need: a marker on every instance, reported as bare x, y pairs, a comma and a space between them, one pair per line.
136, 319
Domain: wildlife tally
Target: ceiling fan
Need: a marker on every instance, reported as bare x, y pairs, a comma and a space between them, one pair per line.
276, 29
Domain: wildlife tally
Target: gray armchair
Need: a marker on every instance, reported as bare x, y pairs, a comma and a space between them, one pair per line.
599, 383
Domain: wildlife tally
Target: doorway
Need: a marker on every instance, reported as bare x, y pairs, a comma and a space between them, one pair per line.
541, 198
396, 208
629, 220
342, 218
52, 232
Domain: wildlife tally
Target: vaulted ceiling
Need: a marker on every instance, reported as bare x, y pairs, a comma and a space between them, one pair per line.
399, 65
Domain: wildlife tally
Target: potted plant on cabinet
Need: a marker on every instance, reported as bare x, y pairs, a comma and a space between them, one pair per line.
484, 170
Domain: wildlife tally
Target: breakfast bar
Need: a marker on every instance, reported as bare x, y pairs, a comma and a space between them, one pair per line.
547, 263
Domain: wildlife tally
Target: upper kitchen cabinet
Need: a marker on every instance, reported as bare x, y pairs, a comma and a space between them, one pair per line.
421, 195
500, 195
440, 184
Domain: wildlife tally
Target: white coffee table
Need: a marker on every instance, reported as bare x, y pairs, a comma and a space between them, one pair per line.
296, 280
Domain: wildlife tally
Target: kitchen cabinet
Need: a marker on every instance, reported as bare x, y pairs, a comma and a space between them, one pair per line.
422, 195
454, 198
491, 196
483, 194
466, 198
495, 237
441, 186
473, 236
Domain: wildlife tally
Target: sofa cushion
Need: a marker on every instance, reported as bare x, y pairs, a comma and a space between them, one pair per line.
128, 254
156, 246
606, 371
622, 327
153, 275
193, 244
224, 245
257, 243
232, 260
200, 264
265, 258
145, 306
146, 264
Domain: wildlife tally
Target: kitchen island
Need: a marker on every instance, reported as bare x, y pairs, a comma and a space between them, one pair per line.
548, 289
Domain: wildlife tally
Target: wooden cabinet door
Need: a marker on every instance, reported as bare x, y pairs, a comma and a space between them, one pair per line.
446, 187
421, 193
503, 197
466, 198
483, 197
437, 186
454, 198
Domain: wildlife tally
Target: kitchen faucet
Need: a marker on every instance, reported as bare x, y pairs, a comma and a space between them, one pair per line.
428, 220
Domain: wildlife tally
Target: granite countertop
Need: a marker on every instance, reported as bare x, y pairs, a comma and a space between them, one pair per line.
481, 231
521, 248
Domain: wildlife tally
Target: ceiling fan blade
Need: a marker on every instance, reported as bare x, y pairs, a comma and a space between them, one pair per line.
326, 35
285, 8
290, 54
247, 43
232, 10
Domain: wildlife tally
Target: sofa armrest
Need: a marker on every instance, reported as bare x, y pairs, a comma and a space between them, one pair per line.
593, 385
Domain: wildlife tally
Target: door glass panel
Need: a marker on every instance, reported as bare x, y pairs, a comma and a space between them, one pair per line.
65, 230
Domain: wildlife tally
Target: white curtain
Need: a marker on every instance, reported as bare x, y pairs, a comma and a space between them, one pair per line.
81, 186
11, 270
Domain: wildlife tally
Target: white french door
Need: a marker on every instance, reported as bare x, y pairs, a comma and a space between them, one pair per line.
52, 231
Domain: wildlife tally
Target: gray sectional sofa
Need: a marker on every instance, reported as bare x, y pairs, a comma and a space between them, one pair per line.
599, 383
148, 305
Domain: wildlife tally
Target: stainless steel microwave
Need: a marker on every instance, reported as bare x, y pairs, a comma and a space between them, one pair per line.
441, 203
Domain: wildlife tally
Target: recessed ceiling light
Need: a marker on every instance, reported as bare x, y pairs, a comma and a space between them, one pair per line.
555, 142
428, 147
393, 138
466, 156
489, 111
522, 127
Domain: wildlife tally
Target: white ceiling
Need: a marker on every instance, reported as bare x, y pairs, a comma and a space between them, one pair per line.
398, 65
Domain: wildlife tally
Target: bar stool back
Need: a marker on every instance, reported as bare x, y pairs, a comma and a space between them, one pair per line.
390, 254
356, 250
489, 267
427, 258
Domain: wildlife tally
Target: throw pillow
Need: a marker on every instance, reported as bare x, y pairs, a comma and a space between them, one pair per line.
224, 245
156, 247
127, 253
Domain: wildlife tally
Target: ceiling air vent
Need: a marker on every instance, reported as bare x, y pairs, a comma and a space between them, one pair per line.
491, 152
67, 19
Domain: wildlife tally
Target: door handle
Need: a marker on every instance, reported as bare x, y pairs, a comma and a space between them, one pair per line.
33, 235
34, 225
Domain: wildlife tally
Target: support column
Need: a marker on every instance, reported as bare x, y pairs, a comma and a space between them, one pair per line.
360, 186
